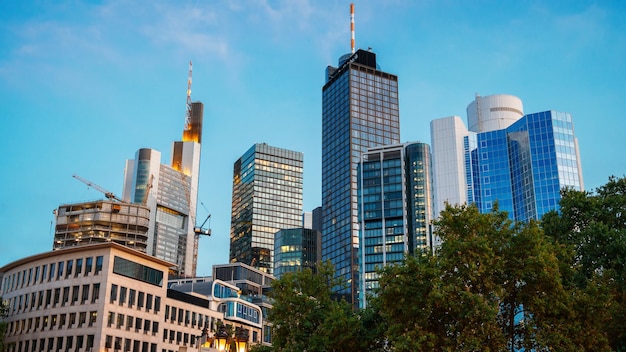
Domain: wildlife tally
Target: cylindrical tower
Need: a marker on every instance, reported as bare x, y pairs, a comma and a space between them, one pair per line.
493, 112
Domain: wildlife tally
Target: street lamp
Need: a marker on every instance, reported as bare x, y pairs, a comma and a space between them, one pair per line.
223, 340
241, 339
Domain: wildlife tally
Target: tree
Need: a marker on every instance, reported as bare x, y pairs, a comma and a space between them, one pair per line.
4, 312
305, 316
494, 285
590, 228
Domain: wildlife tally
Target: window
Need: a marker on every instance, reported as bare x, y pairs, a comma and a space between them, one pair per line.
66, 295
122, 295
88, 265
110, 319
72, 320
48, 297
120, 320
62, 318
85, 296
60, 272
52, 266
79, 267
82, 318
93, 316
140, 300
131, 298
75, 290
95, 293
57, 296
68, 270
99, 261
113, 293
149, 299
157, 304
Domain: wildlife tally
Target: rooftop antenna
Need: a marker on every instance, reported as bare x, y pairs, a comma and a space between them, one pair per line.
352, 27
188, 111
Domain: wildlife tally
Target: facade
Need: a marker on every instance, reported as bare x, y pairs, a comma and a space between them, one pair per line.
359, 111
395, 208
106, 297
243, 291
170, 191
267, 197
102, 221
296, 249
521, 162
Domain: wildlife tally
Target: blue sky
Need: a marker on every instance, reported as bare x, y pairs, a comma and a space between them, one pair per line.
84, 85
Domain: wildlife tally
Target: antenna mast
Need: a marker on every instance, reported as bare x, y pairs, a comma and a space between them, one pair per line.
188, 111
352, 27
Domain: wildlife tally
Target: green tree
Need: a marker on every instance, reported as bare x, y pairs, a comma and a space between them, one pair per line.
494, 285
305, 316
590, 229
4, 312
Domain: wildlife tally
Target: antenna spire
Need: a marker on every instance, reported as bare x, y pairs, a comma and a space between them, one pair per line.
352, 27
188, 110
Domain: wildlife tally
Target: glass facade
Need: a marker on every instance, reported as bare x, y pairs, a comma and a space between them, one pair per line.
359, 111
296, 249
267, 197
395, 207
524, 167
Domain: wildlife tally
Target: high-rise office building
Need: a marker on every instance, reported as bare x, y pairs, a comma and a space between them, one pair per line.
359, 111
519, 161
267, 197
395, 208
171, 193
296, 249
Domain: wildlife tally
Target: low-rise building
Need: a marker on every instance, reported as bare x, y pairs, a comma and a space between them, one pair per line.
105, 297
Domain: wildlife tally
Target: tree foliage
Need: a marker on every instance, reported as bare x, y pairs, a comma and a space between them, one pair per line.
590, 229
305, 316
494, 285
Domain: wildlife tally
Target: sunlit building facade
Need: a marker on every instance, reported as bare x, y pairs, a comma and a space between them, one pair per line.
108, 297
521, 162
359, 111
170, 191
395, 208
267, 197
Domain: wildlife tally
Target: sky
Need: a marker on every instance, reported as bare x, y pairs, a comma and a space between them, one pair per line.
85, 84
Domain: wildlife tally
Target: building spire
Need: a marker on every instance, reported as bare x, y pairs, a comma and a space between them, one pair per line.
352, 27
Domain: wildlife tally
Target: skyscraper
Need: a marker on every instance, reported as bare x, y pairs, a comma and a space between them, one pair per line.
395, 207
359, 111
267, 197
519, 161
171, 193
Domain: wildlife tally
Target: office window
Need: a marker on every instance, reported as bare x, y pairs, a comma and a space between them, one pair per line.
99, 261
95, 294
79, 267
113, 293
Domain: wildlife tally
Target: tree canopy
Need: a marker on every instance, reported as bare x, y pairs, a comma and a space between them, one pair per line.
493, 285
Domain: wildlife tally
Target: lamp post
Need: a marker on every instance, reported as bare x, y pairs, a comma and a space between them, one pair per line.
223, 340
241, 339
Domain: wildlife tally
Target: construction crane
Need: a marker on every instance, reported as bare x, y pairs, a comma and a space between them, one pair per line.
200, 230
109, 195
148, 188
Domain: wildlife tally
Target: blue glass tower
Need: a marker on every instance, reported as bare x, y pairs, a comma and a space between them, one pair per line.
395, 208
359, 111
522, 166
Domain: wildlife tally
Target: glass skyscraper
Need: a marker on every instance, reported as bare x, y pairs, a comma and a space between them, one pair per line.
171, 193
267, 197
521, 162
359, 111
395, 207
